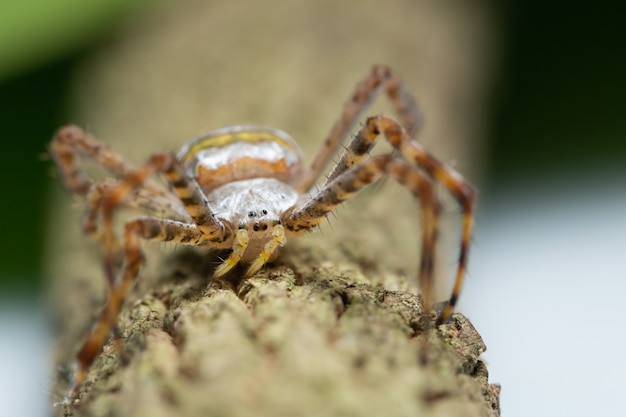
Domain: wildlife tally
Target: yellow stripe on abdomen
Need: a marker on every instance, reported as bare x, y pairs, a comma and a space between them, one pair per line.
239, 153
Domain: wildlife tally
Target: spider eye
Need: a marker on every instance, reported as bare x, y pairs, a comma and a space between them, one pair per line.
264, 212
251, 214
256, 227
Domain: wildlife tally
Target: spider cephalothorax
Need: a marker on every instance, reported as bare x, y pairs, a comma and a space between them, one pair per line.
245, 189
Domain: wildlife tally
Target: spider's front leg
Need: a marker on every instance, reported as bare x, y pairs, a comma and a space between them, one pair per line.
142, 228
396, 135
150, 202
349, 182
441, 174
206, 231
380, 77
71, 144
358, 149
185, 188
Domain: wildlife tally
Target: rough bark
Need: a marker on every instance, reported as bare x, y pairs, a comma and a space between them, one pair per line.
292, 340
335, 327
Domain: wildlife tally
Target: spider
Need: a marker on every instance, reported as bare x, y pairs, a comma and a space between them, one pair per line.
245, 189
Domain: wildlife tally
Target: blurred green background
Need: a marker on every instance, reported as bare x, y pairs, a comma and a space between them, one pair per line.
41, 42
558, 103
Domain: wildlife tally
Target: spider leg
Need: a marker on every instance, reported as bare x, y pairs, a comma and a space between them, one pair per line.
206, 230
349, 182
365, 91
147, 228
71, 142
163, 205
189, 193
393, 132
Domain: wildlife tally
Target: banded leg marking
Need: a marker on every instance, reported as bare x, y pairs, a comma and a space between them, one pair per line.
365, 91
149, 201
353, 180
147, 228
192, 197
71, 141
393, 132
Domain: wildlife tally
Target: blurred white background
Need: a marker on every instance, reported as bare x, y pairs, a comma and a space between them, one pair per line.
25, 362
546, 288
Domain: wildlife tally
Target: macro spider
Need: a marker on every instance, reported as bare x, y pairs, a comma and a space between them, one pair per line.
245, 188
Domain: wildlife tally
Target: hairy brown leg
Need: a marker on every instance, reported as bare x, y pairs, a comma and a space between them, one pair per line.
353, 180
207, 230
186, 190
162, 205
394, 133
147, 228
441, 174
71, 142
451, 180
380, 76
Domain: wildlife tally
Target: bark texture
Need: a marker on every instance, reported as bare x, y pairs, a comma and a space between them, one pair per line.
290, 341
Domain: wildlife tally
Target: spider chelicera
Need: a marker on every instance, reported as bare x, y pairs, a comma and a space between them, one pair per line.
245, 188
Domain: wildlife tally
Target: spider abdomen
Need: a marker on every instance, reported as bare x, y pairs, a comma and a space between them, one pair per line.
241, 152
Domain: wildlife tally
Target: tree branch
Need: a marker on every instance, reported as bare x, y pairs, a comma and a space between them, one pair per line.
289, 341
